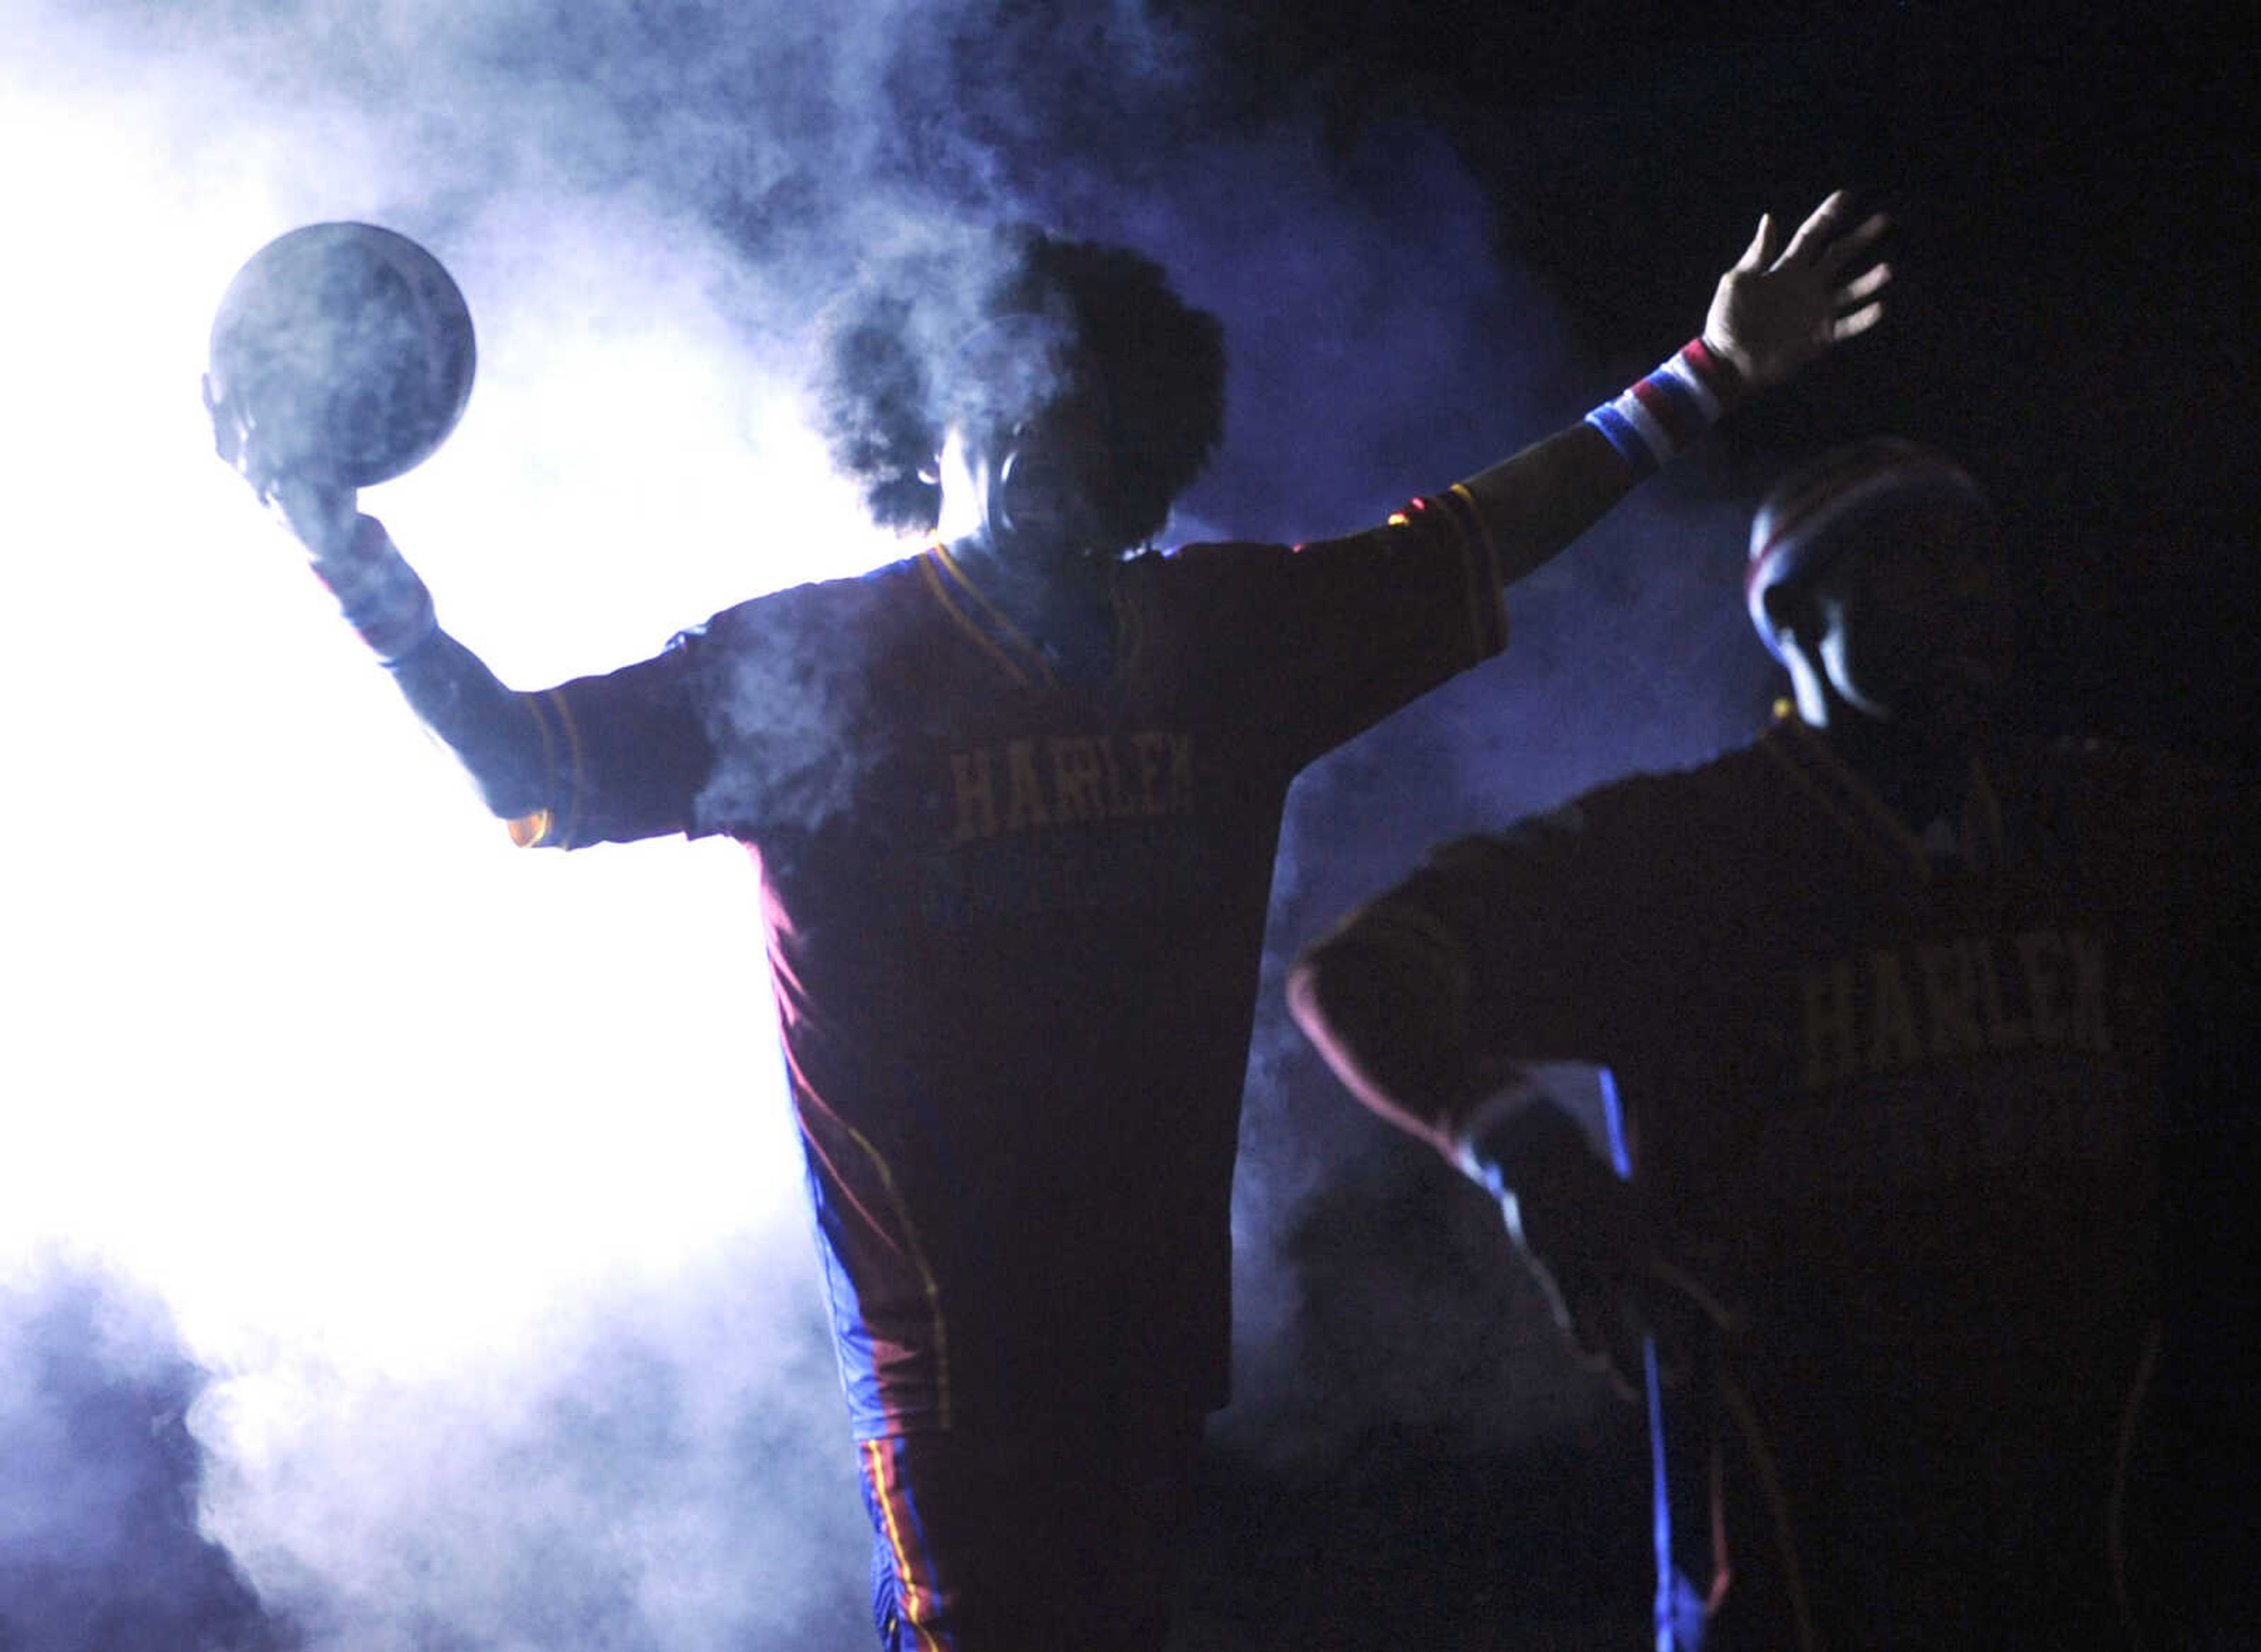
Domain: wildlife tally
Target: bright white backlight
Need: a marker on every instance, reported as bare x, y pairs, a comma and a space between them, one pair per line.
295, 1035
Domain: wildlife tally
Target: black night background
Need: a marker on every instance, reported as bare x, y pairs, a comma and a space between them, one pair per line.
1504, 213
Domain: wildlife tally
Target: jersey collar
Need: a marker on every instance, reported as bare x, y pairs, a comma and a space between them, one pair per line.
1004, 643
1802, 754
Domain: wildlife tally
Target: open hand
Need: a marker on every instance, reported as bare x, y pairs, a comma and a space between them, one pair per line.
1781, 306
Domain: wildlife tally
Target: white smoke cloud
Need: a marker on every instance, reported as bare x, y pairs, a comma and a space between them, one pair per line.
658, 1478
466, 1173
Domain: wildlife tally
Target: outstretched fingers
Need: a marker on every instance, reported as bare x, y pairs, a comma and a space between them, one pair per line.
1855, 308
226, 427
1773, 312
1862, 286
1761, 252
1847, 327
1851, 245
1820, 226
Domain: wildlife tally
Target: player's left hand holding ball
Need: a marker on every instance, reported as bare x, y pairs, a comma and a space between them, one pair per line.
342, 355
1781, 306
321, 514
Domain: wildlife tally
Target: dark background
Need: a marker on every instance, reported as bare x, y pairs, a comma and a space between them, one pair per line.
2075, 192
2074, 250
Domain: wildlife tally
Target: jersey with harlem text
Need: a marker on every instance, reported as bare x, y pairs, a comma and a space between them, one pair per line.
1904, 1102
1013, 918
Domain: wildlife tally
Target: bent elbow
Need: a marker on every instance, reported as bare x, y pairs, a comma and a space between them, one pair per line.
1323, 998
1307, 995
513, 785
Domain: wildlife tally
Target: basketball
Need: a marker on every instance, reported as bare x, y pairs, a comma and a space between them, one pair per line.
346, 349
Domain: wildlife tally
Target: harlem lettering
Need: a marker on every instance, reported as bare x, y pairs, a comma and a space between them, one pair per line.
1066, 779
1896, 1007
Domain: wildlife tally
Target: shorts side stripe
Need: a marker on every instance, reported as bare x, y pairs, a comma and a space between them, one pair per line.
900, 1519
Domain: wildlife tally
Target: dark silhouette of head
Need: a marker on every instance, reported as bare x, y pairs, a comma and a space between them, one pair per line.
1090, 394
1876, 576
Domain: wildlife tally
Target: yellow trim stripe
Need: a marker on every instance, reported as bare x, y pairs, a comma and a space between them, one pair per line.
1778, 1501
2123, 1454
574, 745
1465, 546
1988, 808
964, 622
914, 1599
1130, 625
533, 704
1872, 814
926, 1281
1461, 492
997, 615
1491, 600
529, 831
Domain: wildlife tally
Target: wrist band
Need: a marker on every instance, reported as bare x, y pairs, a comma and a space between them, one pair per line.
1659, 415
379, 593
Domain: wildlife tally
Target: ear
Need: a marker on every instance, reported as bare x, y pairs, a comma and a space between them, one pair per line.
1792, 612
938, 462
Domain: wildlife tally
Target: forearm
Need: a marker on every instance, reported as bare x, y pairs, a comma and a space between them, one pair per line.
498, 734
1537, 503
1385, 1005
1433, 999
1393, 1033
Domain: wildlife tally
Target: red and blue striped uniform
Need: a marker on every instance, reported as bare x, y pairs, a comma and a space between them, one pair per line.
1014, 917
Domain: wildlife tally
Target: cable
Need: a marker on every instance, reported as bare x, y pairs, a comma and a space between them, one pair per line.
2115, 1514
1793, 1575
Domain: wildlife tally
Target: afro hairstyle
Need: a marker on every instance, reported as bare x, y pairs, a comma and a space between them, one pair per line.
913, 348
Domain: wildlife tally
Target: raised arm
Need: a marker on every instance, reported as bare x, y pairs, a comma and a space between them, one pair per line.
1776, 308
626, 754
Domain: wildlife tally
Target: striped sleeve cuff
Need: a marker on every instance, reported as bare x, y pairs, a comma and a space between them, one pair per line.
1659, 415
564, 776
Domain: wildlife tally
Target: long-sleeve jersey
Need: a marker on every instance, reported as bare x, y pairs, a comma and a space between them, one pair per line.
1909, 1109
1014, 922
